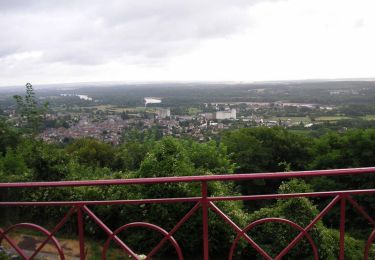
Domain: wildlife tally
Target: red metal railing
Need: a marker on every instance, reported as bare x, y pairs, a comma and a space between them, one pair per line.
204, 202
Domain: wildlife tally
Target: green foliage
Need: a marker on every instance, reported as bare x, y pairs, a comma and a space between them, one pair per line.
91, 152
167, 158
274, 237
130, 155
298, 210
245, 150
45, 161
31, 114
172, 157
331, 237
354, 148
8, 137
262, 149
13, 166
265, 150
358, 109
209, 157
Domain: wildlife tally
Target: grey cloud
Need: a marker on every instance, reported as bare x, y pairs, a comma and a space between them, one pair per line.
94, 32
359, 23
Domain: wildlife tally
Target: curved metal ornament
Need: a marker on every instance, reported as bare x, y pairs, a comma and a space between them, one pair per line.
274, 220
144, 225
36, 228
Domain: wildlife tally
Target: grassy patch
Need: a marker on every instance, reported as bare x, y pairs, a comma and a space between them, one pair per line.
331, 118
292, 119
368, 117
193, 111
300, 131
121, 109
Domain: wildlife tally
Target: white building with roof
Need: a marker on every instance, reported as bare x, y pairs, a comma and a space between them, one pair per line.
228, 114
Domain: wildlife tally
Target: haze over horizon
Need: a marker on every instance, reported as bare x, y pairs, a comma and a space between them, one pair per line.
47, 42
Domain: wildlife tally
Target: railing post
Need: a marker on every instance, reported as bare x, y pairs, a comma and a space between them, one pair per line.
342, 227
205, 220
81, 234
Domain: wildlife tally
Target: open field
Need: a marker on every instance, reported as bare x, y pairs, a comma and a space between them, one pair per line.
121, 109
368, 117
192, 111
332, 118
295, 119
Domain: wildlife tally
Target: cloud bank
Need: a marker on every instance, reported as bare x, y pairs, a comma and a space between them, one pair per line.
64, 41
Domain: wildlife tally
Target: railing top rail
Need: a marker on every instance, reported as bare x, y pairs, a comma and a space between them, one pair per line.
224, 177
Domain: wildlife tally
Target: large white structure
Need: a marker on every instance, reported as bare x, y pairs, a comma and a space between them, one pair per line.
163, 112
151, 100
228, 114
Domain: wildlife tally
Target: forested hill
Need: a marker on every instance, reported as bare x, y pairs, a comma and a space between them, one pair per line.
322, 92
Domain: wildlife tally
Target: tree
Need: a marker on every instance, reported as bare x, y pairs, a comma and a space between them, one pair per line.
265, 150
129, 156
8, 137
173, 157
31, 114
262, 149
354, 148
168, 158
273, 237
91, 152
209, 157
46, 162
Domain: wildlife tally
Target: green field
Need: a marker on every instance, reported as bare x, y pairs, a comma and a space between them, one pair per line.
192, 111
368, 117
122, 109
331, 118
302, 132
295, 119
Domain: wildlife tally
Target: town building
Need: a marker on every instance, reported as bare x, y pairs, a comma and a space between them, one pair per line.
162, 113
228, 114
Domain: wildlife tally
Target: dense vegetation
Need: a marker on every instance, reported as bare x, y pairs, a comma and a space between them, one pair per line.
244, 150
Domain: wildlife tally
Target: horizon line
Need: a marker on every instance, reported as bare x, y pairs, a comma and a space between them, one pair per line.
150, 82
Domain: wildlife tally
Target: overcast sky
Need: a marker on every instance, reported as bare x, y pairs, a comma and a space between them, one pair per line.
56, 41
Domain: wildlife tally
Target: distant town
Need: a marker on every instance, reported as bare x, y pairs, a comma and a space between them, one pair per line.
109, 126
195, 111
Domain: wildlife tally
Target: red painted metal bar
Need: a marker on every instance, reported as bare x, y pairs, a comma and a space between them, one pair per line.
342, 228
205, 220
274, 220
203, 201
13, 244
308, 227
361, 210
99, 202
223, 177
145, 225
178, 225
239, 230
109, 232
291, 195
38, 229
196, 199
81, 234
55, 229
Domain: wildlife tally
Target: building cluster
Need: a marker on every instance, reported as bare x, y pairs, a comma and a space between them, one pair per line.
162, 112
109, 130
221, 115
112, 127
201, 126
